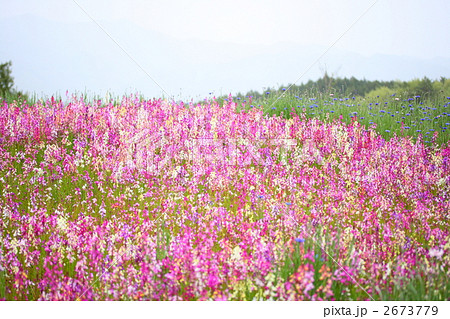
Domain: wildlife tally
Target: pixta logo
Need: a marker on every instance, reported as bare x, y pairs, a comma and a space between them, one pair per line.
344, 311
153, 149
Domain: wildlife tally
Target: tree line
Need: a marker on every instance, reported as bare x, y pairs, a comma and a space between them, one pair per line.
421, 88
424, 88
7, 90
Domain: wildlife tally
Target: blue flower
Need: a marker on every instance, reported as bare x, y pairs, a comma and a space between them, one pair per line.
289, 204
299, 240
317, 256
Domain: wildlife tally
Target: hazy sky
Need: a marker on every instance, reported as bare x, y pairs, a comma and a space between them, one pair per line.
411, 27
414, 28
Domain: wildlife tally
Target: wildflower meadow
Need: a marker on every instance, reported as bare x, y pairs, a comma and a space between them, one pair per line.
158, 200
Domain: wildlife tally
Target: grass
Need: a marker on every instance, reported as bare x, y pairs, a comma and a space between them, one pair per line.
394, 116
390, 116
72, 215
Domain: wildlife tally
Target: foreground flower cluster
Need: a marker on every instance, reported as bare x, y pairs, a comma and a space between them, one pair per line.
152, 200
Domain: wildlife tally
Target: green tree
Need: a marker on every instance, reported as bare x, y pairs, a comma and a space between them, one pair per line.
7, 92
442, 87
6, 80
383, 92
423, 88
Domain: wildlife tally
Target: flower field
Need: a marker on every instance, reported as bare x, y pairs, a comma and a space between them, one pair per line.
156, 200
397, 115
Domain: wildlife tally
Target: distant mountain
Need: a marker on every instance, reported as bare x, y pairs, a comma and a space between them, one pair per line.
50, 57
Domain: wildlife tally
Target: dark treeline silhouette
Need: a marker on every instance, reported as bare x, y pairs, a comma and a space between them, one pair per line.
7, 90
424, 88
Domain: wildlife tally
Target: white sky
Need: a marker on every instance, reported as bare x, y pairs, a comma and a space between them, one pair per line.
415, 28
404, 27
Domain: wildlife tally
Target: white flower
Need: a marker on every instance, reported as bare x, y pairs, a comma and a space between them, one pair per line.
441, 182
435, 252
61, 223
236, 255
